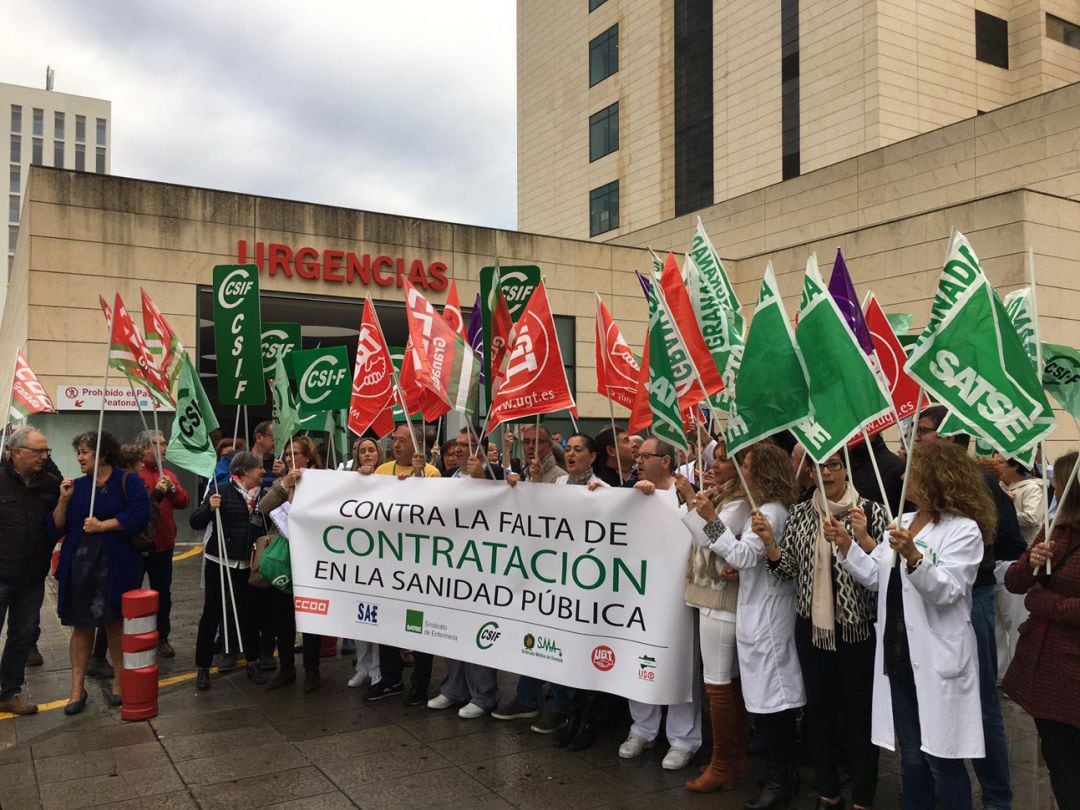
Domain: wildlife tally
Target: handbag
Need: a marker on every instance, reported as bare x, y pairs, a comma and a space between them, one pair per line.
276, 564
255, 578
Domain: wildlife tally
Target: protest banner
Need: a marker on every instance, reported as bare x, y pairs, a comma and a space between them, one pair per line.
569, 586
238, 335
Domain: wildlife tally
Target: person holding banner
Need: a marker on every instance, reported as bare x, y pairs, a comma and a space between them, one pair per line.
228, 565
926, 665
98, 562
614, 457
1044, 677
834, 629
772, 683
366, 458
712, 586
659, 460
540, 452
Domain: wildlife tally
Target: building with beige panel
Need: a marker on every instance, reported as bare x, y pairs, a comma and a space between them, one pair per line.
631, 112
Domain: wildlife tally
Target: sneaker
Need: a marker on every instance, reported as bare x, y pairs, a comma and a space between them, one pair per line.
165, 649
359, 679
381, 690
225, 662
99, 668
549, 722
470, 711
440, 702
34, 659
18, 704
515, 710
634, 747
675, 759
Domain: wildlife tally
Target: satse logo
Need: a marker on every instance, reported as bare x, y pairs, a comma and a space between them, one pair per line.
367, 613
305, 604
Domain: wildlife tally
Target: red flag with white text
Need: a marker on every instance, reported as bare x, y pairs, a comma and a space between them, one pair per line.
372, 402
532, 373
617, 369
161, 341
640, 411
128, 354
891, 357
27, 393
452, 311
685, 321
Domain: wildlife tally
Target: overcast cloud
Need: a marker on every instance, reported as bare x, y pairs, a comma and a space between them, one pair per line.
403, 106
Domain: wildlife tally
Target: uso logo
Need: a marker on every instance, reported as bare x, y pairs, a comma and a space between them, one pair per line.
305, 604
603, 657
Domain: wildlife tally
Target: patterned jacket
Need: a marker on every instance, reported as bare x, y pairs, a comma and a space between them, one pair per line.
855, 607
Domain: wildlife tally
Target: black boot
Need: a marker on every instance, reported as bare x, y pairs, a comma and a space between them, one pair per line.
202, 679
564, 735
255, 674
778, 791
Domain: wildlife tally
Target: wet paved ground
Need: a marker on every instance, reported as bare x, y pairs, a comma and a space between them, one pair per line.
239, 745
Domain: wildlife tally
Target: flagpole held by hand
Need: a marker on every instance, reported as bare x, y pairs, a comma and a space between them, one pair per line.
100, 425
907, 462
1039, 371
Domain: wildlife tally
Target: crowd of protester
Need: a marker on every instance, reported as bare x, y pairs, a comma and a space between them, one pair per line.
840, 604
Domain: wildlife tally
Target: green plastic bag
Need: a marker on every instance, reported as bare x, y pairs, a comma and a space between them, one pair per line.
276, 564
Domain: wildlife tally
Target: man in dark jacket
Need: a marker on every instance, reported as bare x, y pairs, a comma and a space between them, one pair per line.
27, 495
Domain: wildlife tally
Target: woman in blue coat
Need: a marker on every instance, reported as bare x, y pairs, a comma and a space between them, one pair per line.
98, 562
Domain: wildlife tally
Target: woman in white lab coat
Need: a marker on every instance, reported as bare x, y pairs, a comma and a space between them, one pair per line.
772, 683
926, 668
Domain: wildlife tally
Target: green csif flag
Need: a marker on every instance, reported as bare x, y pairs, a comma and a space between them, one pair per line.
844, 391
190, 447
970, 358
1061, 376
772, 392
286, 419
667, 423
337, 431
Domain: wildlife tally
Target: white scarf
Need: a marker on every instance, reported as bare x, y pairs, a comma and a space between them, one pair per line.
822, 604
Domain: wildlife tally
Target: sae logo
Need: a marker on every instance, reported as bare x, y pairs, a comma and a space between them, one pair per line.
367, 613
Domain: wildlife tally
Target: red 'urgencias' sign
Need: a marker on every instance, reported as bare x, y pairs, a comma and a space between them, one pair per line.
342, 266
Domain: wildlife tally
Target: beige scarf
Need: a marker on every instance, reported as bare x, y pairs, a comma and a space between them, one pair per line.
822, 606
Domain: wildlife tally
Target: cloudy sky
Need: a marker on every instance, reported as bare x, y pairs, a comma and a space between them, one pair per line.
406, 107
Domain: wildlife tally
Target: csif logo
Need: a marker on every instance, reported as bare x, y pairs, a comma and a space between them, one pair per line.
603, 657
487, 635
235, 286
367, 613
306, 604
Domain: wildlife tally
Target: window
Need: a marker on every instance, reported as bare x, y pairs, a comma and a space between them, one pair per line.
38, 152
13, 237
693, 92
14, 182
99, 163
39, 122
604, 132
790, 149
58, 154
604, 208
604, 55
595, 4
13, 208
101, 132
58, 126
991, 40
1057, 29
80, 128
16, 118
80, 157
16, 149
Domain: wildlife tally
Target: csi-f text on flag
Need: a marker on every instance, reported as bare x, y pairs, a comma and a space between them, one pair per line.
238, 335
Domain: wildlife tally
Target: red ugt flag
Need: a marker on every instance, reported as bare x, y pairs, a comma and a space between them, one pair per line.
616, 367
890, 353
27, 393
128, 354
452, 311
533, 377
372, 401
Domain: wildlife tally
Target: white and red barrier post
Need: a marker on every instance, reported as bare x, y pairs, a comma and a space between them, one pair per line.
139, 645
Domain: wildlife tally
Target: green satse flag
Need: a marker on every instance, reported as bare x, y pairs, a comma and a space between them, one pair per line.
970, 359
1061, 376
1022, 317
667, 423
844, 391
708, 261
721, 328
286, 420
190, 447
771, 392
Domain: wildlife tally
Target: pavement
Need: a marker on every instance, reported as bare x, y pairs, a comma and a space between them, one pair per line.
239, 745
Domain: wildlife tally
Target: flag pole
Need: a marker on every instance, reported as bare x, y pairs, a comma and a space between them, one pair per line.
907, 465
615, 436
877, 474
1039, 371
100, 425
7, 416
236, 428
1061, 498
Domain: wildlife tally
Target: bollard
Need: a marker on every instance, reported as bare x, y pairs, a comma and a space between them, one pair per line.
139, 684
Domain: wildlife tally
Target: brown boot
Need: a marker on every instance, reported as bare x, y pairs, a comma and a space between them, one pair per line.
719, 775
742, 732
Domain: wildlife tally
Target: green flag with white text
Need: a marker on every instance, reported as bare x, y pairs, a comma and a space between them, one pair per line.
721, 328
708, 262
970, 358
190, 447
667, 423
1022, 316
844, 391
771, 392
1061, 376
286, 419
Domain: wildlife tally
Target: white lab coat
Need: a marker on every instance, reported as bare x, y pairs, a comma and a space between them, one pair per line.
937, 612
765, 619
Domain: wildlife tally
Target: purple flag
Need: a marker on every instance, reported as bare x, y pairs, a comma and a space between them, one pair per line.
842, 290
646, 287
475, 331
